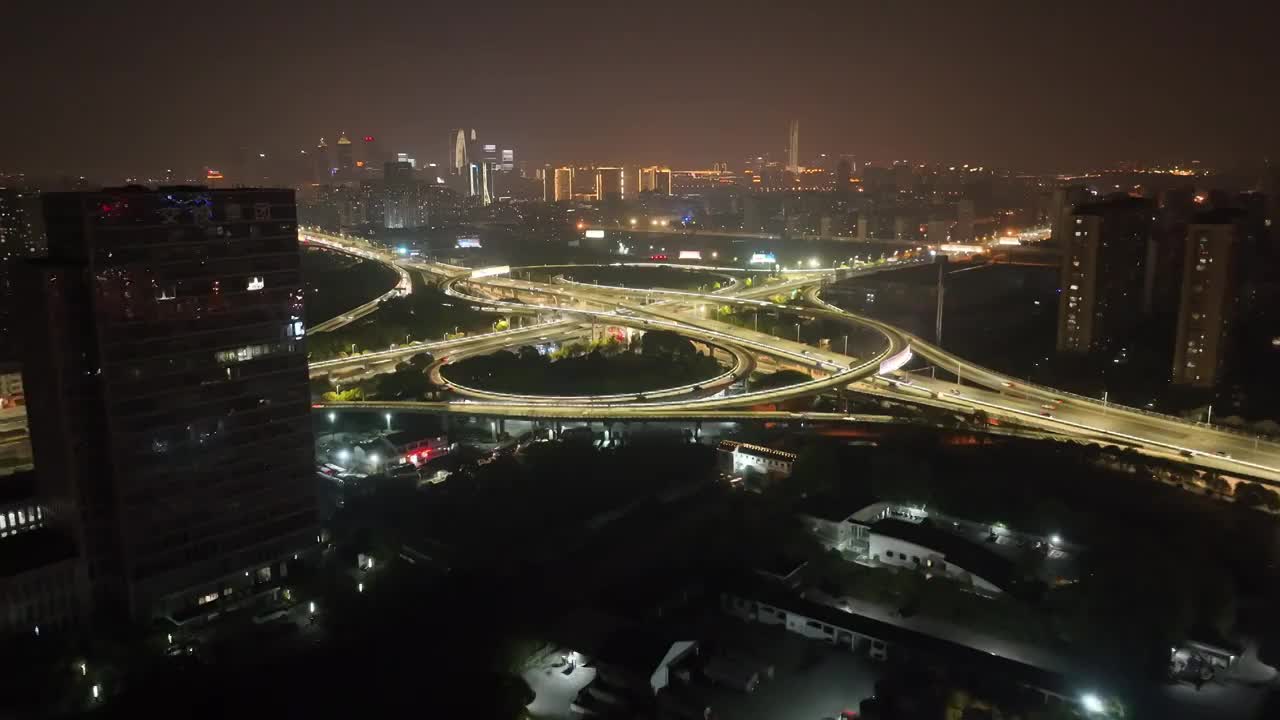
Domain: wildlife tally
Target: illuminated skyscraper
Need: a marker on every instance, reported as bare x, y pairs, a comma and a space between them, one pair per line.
346, 163
460, 150
557, 184
480, 175
793, 147
610, 183
166, 376
508, 162
654, 179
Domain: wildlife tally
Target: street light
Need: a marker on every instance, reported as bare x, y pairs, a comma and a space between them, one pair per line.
311, 607
797, 332
1091, 703
333, 416
97, 691
388, 416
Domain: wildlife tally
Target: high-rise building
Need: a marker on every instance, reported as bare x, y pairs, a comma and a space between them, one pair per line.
844, 173
557, 184
508, 162
965, 218
166, 373
1105, 254
372, 152
402, 202
323, 170
460, 150
793, 147
1271, 187
21, 236
653, 179
346, 163
610, 183
480, 174
404, 158
1062, 202
1207, 309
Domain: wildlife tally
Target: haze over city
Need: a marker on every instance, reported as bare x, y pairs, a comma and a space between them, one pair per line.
603, 361
119, 89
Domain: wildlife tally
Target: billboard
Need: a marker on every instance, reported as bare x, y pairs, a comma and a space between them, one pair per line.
469, 241
690, 254
761, 258
595, 234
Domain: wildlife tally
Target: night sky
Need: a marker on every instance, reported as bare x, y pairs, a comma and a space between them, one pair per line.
129, 87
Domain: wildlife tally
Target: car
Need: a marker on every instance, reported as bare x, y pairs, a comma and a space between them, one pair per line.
1046, 413
954, 391
1187, 453
1222, 453
1007, 384
1049, 407
805, 352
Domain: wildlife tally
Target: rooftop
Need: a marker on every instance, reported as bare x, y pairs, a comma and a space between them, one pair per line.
1218, 216
960, 552
961, 655
830, 506
17, 487
1113, 204
758, 450
34, 549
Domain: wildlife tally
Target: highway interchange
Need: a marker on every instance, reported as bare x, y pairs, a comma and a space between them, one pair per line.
572, 306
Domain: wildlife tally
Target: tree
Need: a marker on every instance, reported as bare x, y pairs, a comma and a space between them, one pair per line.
664, 342
421, 361
1216, 484
816, 467
781, 378
1254, 495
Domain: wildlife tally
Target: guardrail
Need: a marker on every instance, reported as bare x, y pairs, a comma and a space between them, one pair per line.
841, 375
740, 356
434, 345
925, 349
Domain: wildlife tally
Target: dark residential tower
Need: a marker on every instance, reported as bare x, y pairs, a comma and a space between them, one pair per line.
167, 390
1210, 290
1106, 251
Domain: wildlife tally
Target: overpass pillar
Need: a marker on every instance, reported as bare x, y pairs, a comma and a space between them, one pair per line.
558, 429
697, 431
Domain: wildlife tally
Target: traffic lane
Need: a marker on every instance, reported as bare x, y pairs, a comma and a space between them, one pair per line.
1240, 458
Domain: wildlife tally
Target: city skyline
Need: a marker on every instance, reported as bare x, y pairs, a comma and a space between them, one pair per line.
958, 86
